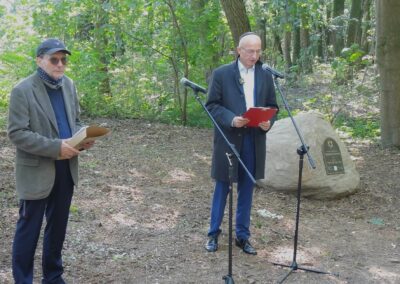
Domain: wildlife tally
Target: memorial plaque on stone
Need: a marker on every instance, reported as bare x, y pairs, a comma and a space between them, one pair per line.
332, 157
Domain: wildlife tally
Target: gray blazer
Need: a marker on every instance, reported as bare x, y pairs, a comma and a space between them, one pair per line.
32, 128
226, 100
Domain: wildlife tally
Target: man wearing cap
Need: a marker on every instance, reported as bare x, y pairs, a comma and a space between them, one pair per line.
234, 88
43, 113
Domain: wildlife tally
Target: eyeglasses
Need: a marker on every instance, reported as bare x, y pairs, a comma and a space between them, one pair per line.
252, 51
55, 60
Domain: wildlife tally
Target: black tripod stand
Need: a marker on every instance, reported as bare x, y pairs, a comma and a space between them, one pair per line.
234, 154
228, 278
303, 149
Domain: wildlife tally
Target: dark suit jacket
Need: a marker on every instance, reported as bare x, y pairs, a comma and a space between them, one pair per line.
226, 100
32, 128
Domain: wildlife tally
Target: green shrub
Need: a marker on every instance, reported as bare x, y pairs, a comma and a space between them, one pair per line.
359, 127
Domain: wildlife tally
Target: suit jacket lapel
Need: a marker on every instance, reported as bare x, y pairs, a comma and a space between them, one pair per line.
40, 93
239, 83
67, 101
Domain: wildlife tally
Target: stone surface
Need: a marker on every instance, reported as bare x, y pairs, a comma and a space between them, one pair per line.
327, 180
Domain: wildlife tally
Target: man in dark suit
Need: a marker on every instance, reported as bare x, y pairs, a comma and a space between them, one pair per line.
235, 88
43, 113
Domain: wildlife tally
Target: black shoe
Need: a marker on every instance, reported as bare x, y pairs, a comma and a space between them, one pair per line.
212, 244
246, 246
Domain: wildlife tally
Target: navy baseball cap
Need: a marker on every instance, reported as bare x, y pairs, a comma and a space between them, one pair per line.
50, 46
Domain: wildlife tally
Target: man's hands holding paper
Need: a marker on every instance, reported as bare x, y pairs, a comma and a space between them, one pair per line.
265, 125
239, 121
68, 152
86, 145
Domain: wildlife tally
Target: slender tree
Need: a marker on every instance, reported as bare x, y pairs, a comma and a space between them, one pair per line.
306, 54
287, 38
177, 26
354, 28
261, 23
338, 37
296, 44
388, 59
101, 21
277, 38
328, 30
366, 25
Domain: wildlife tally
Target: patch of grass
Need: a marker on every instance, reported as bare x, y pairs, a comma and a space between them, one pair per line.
258, 224
73, 209
3, 118
359, 127
89, 164
264, 239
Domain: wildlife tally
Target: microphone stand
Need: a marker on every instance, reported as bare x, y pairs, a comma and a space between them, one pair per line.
303, 149
233, 155
228, 278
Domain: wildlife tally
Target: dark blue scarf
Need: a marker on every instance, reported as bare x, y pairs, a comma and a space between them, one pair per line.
55, 84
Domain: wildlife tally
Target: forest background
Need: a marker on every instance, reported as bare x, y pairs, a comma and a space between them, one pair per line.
129, 56
142, 208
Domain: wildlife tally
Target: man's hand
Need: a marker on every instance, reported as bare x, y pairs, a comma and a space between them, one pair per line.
239, 121
67, 151
86, 145
265, 125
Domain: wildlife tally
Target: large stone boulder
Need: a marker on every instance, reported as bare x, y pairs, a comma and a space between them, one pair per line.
335, 174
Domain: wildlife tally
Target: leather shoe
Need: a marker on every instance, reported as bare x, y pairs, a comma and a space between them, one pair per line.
212, 244
246, 246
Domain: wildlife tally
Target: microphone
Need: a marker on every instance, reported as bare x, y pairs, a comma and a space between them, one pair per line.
265, 66
192, 85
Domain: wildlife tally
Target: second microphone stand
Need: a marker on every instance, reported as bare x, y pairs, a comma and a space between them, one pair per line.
230, 156
303, 149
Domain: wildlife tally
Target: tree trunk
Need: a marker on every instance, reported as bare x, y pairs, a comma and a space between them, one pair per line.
286, 50
338, 38
287, 39
388, 59
261, 24
296, 45
366, 25
329, 32
235, 12
101, 44
277, 43
182, 100
277, 37
354, 29
262, 32
306, 54
320, 46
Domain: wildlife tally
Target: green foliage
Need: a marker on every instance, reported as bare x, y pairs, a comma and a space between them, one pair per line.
3, 118
351, 108
284, 114
16, 65
197, 116
74, 209
351, 59
359, 127
16, 52
128, 56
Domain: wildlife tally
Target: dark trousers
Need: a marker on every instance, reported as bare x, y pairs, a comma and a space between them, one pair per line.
31, 212
245, 194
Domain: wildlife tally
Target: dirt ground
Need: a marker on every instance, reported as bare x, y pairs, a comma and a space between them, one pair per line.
141, 211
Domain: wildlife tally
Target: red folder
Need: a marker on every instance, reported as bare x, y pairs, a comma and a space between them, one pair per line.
259, 114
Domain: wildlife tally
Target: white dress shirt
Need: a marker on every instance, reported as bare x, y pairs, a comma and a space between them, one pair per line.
248, 85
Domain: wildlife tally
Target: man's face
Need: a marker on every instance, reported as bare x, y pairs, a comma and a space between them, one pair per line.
53, 64
249, 50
